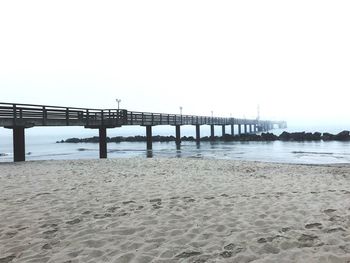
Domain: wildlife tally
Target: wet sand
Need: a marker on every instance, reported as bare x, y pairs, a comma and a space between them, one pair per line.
173, 210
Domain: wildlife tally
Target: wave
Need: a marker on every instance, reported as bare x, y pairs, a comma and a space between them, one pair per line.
318, 153
85, 149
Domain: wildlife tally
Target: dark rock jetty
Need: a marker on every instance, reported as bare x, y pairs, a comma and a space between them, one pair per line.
285, 136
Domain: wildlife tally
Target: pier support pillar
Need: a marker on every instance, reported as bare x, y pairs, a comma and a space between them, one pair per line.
198, 133
250, 128
255, 128
178, 134
103, 142
245, 129
149, 137
239, 129
18, 144
223, 130
212, 132
232, 130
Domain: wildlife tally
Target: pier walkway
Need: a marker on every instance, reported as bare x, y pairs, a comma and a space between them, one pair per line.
18, 117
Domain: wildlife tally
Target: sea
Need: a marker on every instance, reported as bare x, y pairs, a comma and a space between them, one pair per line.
41, 144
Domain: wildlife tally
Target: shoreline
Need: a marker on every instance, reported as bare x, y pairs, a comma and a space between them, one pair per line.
335, 165
173, 210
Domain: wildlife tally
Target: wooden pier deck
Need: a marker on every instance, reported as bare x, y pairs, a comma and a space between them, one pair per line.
18, 117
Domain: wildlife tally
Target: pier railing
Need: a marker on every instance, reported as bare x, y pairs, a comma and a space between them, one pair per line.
152, 119
30, 115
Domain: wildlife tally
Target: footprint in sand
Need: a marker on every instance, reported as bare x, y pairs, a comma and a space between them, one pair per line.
230, 246
101, 216
112, 209
270, 239
188, 254
128, 202
122, 214
313, 225
74, 221
262, 240
50, 232
335, 218
46, 247
11, 234
231, 249
285, 229
269, 249
86, 213
336, 229
156, 200
307, 240
329, 210
7, 259
156, 203
49, 225
226, 254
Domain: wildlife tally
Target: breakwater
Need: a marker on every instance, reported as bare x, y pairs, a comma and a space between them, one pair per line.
285, 136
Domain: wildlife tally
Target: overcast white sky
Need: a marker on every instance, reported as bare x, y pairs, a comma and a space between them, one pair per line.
291, 57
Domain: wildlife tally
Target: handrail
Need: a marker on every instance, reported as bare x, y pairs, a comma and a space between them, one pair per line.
19, 111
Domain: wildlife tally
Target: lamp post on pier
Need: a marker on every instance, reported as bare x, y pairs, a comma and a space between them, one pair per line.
118, 101
181, 113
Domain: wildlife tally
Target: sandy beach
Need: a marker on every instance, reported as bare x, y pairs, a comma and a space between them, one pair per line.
173, 210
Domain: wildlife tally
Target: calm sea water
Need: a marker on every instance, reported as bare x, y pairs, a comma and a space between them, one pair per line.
41, 145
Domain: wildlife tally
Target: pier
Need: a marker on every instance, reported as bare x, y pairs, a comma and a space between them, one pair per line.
19, 117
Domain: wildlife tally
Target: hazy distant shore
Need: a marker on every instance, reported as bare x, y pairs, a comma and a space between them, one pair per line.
285, 136
173, 210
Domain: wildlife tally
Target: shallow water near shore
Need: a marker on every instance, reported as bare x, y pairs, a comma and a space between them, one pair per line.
282, 152
41, 145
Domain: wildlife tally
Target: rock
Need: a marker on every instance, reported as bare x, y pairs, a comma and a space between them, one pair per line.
317, 136
227, 138
297, 136
284, 136
327, 136
268, 137
342, 136
72, 140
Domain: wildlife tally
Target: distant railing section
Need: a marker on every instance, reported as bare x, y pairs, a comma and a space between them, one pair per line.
148, 118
